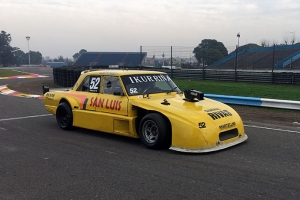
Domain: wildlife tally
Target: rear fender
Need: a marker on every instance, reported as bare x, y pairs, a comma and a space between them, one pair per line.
71, 101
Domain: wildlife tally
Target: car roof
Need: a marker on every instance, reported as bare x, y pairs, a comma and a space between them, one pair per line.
121, 72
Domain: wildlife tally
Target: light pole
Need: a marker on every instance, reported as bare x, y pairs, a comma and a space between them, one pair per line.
238, 36
237, 49
28, 38
236, 57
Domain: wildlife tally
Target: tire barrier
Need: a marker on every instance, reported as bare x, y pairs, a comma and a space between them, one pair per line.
67, 76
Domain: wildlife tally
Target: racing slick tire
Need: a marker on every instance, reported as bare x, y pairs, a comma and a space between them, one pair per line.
64, 116
154, 131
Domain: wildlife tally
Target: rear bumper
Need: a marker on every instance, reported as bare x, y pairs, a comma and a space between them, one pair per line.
211, 149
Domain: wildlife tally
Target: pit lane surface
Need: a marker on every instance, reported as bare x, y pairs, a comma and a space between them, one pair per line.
41, 161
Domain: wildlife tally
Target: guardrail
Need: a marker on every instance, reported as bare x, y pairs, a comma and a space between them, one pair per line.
260, 102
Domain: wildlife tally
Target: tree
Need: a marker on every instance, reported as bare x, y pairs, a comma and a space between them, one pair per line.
248, 46
19, 57
82, 51
6, 55
35, 58
265, 43
76, 55
210, 51
59, 59
293, 38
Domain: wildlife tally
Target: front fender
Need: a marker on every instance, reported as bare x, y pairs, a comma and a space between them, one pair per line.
194, 126
185, 133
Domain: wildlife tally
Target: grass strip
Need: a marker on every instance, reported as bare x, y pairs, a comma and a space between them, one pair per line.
8, 72
286, 92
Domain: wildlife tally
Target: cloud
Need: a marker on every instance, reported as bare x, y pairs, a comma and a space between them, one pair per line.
64, 27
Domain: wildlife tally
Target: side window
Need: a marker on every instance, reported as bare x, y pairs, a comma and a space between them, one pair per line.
90, 84
112, 85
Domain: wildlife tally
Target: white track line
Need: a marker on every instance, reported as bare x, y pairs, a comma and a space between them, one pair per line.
252, 126
33, 116
274, 129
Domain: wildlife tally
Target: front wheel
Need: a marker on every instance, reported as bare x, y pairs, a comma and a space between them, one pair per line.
154, 131
64, 116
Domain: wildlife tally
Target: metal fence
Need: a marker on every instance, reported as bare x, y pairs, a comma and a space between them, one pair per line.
67, 76
167, 56
277, 57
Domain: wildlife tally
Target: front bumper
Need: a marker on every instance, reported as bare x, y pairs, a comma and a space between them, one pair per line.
211, 149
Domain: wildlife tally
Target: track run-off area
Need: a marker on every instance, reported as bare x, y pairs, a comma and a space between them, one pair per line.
41, 161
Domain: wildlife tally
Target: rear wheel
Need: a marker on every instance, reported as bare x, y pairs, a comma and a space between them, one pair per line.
154, 131
64, 116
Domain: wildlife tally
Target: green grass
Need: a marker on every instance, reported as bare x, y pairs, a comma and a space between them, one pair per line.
285, 92
8, 72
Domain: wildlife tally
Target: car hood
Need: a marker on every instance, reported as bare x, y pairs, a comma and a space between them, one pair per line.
176, 105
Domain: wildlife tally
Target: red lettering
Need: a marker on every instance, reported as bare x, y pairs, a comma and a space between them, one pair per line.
119, 105
95, 102
112, 104
91, 101
106, 105
100, 103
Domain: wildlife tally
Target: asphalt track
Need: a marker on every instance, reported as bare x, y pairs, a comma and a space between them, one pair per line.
41, 161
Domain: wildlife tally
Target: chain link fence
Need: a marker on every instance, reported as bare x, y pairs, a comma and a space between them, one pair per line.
166, 56
277, 57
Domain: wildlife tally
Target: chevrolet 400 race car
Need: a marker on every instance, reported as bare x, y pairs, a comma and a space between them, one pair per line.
146, 105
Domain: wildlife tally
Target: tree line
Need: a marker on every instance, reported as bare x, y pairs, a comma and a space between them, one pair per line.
10, 56
13, 55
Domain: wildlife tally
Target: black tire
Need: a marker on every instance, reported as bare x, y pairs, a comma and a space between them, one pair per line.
154, 131
64, 116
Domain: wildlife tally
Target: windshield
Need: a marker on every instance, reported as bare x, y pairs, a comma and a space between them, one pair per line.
148, 84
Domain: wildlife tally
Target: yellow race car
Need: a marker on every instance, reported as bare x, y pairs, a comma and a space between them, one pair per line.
146, 105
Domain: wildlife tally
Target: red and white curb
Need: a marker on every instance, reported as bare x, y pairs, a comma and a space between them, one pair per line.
6, 91
24, 76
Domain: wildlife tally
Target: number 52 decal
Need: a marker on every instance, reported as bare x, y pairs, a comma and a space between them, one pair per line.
133, 90
94, 84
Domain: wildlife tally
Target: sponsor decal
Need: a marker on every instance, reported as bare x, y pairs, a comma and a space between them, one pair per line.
81, 97
202, 125
50, 95
212, 109
106, 103
84, 103
227, 126
108, 73
219, 114
149, 78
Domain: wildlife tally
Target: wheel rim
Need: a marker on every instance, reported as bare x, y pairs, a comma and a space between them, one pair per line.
63, 118
150, 131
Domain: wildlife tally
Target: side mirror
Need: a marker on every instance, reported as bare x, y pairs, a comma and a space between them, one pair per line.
45, 89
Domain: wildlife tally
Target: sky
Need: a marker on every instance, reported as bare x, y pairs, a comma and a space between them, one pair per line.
64, 27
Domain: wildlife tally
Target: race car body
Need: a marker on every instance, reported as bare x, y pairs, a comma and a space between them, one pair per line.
146, 105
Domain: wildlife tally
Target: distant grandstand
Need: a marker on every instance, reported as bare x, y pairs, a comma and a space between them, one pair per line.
56, 64
281, 57
102, 59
